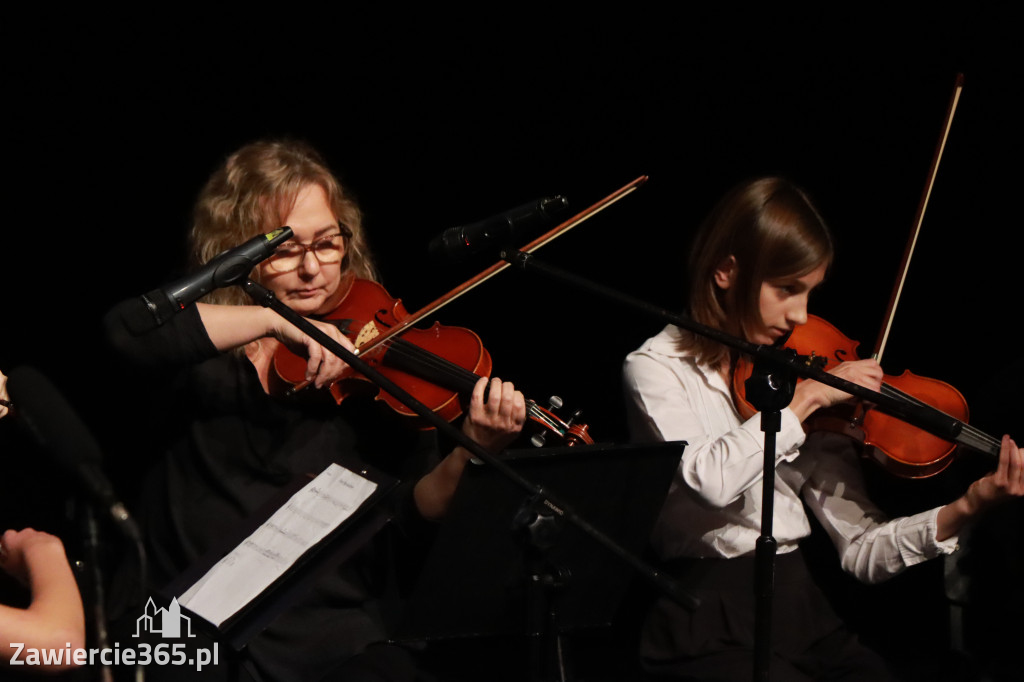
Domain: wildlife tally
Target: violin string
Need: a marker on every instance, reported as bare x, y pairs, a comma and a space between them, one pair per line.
541, 416
458, 374
982, 435
893, 392
429, 360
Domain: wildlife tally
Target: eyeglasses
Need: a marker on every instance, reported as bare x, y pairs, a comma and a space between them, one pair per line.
289, 256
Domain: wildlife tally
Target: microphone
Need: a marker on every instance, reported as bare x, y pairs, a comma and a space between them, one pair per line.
459, 243
225, 269
58, 430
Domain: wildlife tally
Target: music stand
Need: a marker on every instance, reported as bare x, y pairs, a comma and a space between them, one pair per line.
500, 566
339, 545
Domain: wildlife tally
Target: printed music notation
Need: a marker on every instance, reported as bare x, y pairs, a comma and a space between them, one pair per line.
263, 557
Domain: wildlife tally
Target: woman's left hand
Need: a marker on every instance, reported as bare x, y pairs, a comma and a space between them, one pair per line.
496, 415
497, 412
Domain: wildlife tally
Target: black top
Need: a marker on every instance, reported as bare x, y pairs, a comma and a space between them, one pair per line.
230, 448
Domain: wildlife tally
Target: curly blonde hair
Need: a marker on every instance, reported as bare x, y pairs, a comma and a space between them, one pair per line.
253, 192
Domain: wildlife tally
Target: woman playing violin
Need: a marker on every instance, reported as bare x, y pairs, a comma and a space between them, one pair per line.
234, 443
757, 258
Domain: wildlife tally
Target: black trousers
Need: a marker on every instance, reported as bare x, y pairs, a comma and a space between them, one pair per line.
717, 640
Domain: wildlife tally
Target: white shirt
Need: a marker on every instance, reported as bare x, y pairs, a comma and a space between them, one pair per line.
713, 508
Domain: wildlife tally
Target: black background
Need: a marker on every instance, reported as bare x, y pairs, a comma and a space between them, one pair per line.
437, 118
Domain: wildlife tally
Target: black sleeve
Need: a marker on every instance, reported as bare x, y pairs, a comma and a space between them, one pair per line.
181, 340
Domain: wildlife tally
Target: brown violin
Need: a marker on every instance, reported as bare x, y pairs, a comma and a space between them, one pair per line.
900, 447
437, 365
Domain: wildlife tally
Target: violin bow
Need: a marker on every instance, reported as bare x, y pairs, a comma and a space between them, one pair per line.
908, 252
493, 270
970, 436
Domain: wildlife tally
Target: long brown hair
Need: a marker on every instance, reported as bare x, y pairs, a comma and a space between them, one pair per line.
773, 231
253, 193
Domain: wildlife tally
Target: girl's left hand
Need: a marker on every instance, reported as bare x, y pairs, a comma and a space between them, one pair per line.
1006, 482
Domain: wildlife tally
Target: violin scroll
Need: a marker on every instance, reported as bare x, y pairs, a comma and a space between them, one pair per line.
571, 433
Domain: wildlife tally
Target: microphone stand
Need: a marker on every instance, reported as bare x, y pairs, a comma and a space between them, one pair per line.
770, 389
769, 392
264, 297
91, 531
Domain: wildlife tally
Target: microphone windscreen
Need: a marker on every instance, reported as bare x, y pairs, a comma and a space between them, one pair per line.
50, 419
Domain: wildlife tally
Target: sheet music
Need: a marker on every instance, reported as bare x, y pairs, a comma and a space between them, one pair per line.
306, 519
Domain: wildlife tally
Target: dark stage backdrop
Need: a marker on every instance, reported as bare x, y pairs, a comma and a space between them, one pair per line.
437, 120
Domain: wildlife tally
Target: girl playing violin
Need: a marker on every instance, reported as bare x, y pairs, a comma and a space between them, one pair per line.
233, 444
756, 259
